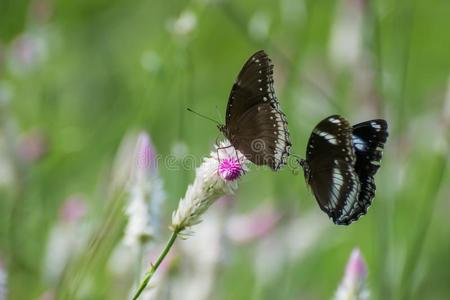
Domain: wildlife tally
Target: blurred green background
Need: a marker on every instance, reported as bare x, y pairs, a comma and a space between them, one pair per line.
76, 76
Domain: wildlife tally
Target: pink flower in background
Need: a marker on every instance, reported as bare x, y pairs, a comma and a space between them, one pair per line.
230, 169
146, 154
290, 242
353, 286
33, 146
225, 202
41, 10
356, 269
27, 52
73, 209
346, 35
67, 238
254, 225
24, 49
48, 295
3, 281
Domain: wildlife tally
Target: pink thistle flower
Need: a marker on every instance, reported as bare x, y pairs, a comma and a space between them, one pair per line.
215, 178
230, 169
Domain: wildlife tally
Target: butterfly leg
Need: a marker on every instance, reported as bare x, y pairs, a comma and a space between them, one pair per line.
218, 156
239, 161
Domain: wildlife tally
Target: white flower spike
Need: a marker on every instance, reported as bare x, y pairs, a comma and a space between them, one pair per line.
215, 178
146, 194
3, 281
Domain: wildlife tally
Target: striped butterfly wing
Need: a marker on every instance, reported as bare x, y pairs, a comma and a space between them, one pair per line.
254, 123
330, 160
368, 141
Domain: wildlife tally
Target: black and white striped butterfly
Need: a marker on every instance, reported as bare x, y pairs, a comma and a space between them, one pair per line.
254, 123
341, 161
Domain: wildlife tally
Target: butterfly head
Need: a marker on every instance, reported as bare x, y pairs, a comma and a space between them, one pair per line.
306, 168
222, 128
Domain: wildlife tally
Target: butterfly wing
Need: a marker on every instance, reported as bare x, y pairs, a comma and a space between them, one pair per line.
341, 161
263, 136
254, 122
331, 159
368, 140
251, 87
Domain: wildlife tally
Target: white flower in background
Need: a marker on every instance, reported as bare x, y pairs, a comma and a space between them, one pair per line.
179, 150
259, 25
353, 286
2, 54
293, 11
6, 92
202, 257
7, 171
3, 281
146, 194
442, 141
8, 136
184, 24
216, 177
62, 245
151, 61
446, 110
346, 35
136, 173
124, 164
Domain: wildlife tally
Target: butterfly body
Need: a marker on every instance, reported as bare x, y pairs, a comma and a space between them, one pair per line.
254, 123
340, 163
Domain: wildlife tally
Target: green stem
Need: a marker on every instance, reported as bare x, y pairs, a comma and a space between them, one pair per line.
155, 266
139, 259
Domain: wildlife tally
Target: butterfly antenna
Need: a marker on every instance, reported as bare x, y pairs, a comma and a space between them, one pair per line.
218, 113
203, 116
